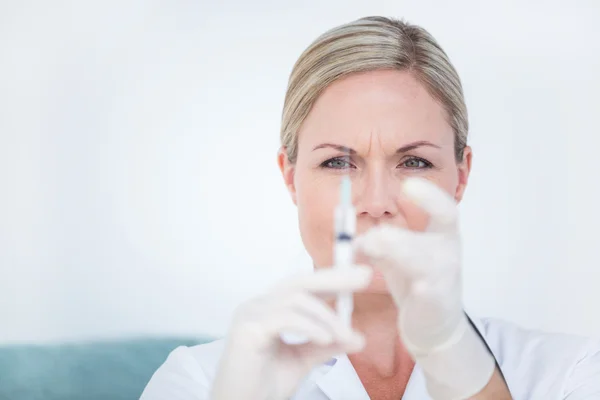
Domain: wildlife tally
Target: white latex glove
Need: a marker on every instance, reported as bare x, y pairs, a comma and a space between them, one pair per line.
423, 274
257, 365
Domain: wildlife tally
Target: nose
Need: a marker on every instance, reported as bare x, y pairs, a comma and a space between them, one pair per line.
377, 195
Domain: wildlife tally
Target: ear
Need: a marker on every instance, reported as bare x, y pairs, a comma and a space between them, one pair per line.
464, 169
287, 171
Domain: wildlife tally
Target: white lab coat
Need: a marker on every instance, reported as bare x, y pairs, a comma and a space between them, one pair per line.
535, 365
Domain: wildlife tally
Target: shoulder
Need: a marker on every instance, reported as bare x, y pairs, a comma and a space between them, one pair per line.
507, 338
207, 355
203, 356
186, 374
537, 363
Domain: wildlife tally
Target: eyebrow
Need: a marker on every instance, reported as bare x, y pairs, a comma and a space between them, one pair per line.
415, 145
343, 149
403, 149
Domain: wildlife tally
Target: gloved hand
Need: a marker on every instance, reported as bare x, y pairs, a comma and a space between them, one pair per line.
423, 273
257, 365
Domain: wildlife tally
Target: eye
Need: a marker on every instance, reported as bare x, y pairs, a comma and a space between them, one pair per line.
416, 163
337, 163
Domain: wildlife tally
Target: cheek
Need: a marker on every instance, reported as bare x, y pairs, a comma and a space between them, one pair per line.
316, 201
415, 218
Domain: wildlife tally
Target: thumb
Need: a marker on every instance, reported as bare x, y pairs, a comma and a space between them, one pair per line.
313, 354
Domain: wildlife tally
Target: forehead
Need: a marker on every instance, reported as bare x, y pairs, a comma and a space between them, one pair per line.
388, 103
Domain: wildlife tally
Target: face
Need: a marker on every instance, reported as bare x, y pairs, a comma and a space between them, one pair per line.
378, 128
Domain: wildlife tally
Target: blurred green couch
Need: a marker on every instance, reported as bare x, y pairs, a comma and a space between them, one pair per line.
108, 370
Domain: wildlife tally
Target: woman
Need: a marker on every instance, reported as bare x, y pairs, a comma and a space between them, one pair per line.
379, 101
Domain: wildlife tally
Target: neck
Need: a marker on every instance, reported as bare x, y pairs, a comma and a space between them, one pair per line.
375, 316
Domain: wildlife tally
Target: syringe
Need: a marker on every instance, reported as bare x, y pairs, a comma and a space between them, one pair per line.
345, 227
343, 255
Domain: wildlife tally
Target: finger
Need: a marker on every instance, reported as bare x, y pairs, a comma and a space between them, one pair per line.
324, 315
331, 280
390, 247
299, 325
384, 242
314, 354
436, 202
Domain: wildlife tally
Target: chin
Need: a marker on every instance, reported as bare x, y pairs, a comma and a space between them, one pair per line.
377, 285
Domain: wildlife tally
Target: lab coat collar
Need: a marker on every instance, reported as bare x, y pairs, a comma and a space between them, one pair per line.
341, 382
338, 380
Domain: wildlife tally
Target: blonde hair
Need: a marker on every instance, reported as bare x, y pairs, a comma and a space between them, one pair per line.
368, 44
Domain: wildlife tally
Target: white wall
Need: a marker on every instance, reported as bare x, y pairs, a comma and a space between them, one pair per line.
139, 192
